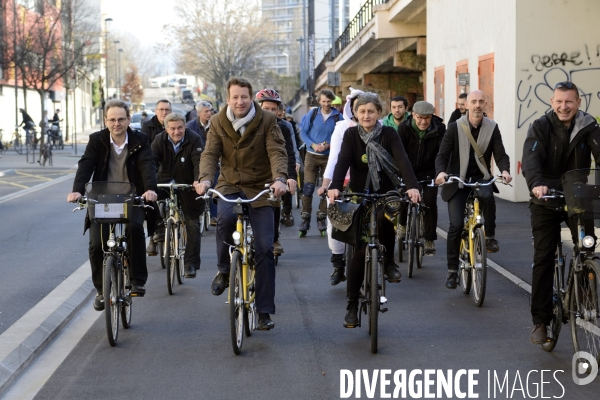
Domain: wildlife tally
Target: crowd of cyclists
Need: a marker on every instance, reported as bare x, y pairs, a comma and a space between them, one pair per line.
349, 145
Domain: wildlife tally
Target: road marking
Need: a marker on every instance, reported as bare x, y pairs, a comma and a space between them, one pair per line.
35, 176
14, 184
502, 271
35, 188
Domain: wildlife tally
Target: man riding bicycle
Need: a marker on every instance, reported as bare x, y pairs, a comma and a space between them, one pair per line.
563, 139
176, 153
252, 151
457, 156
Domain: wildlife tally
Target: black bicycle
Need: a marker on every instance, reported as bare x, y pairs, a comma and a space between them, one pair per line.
372, 293
112, 203
579, 301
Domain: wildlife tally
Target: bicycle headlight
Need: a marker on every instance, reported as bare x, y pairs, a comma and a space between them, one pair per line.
111, 242
236, 237
588, 242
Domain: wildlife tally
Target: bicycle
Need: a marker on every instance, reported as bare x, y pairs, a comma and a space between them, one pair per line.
205, 218
372, 292
173, 251
111, 203
241, 296
414, 238
46, 151
578, 302
473, 251
16, 141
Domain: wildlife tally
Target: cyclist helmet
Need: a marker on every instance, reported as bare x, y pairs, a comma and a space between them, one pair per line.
337, 101
268, 95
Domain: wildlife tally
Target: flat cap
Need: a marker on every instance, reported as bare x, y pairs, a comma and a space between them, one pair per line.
423, 108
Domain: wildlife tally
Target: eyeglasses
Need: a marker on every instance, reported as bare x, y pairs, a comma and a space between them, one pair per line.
112, 121
565, 84
163, 109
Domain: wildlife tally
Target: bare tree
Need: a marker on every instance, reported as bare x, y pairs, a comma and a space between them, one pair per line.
220, 39
51, 41
131, 89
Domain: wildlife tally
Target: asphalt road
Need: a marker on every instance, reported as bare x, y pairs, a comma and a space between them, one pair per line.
179, 346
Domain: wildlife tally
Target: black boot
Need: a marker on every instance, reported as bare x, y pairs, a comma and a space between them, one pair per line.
351, 319
305, 224
338, 269
391, 271
322, 223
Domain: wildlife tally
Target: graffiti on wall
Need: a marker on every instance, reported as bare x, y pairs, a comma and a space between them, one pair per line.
537, 81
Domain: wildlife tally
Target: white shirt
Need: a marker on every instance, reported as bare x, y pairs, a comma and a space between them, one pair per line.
120, 148
325, 116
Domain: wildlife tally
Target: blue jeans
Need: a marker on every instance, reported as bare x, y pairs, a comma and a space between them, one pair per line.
261, 219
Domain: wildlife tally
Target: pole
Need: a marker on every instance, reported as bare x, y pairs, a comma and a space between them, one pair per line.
116, 42
15, 61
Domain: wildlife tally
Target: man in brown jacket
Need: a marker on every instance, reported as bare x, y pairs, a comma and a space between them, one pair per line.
252, 152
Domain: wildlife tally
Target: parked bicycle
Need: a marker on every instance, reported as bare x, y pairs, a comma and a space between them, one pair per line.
172, 250
241, 296
111, 203
578, 302
414, 239
473, 251
372, 294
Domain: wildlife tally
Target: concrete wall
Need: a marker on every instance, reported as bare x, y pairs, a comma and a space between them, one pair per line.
556, 42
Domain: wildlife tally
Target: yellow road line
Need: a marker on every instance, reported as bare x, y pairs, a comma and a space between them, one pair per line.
14, 184
35, 176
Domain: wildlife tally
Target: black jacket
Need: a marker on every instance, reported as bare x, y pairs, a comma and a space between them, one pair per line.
351, 153
455, 116
183, 167
94, 163
152, 128
548, 152
422, 152
289, 148
448, 158
197, 127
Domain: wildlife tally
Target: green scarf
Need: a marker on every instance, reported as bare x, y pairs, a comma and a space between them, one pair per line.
417, 130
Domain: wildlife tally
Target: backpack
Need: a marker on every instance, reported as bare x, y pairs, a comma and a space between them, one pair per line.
336, 118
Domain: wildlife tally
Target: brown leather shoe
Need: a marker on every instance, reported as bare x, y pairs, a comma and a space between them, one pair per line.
277, 248
539, 334
151, 248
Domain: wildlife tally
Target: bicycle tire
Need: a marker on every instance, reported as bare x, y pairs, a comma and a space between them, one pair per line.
111, 300
160, 246
411, 232
236, 303
18, 144
479, 271
420, 246
182, 237
126, 296
374, 299
584, 320
399, 241
207, 219
465, 269
170, 255
202, 223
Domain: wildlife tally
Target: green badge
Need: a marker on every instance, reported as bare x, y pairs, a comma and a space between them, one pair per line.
364, 158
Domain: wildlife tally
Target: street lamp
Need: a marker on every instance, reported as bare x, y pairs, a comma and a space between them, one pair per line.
116, 42
105, 97
119, 74
287, 58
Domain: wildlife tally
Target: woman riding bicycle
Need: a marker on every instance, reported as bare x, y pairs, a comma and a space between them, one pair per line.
376, 158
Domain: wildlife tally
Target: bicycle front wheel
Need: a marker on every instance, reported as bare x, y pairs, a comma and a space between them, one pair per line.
160, 246
112, 305
465, 268
18, 144
399, 240
375, 269
236, 303
411, 238
479, 269
182, 237
170, 255
584, 311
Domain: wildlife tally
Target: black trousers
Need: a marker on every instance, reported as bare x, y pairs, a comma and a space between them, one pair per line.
136, 244
287, 202
356, 268
456, 214
430, 213
545, 228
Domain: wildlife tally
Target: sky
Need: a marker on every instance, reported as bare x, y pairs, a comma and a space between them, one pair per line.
142, 18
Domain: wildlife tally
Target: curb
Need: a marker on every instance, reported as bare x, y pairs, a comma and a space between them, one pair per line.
55, 311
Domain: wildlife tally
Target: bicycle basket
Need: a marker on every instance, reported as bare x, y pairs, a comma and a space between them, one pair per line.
345, 218
111, 202
582, 196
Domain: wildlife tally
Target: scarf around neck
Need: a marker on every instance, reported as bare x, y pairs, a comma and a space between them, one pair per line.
240, 124
378, 158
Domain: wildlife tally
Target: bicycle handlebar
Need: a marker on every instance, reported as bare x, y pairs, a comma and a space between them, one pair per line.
239, 200
456, 178
374, 196
174, 185
553, 194
83, 200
